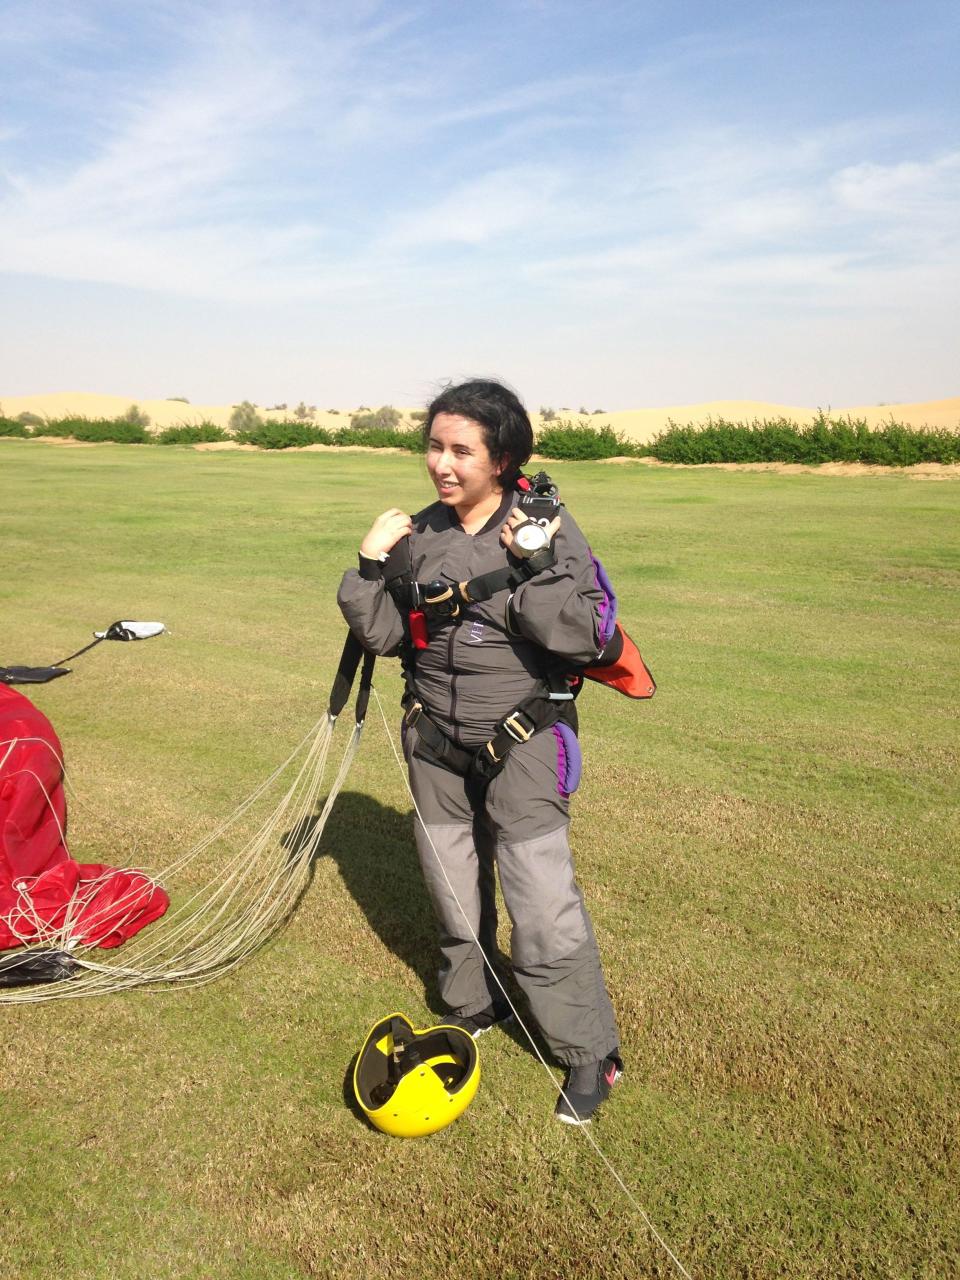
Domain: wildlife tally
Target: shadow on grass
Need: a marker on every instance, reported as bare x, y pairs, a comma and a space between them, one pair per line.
373, 848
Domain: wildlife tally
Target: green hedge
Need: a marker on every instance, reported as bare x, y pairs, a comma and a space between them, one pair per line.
382, 438
580, 442
284, 435
201, 433
768, 440
292, 435
96, 430
824, 440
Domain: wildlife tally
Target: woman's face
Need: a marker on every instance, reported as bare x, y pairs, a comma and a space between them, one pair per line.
459, 463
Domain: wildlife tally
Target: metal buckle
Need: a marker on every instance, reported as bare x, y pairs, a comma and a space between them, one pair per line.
413, 714
515, 729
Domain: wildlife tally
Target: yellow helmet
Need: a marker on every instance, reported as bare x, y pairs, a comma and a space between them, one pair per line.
411, 1082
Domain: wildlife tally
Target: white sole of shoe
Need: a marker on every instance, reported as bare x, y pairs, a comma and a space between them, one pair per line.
566, 1119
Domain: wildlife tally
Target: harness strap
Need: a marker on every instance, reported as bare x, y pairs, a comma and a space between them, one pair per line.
442, 749
534, 713
353, 651
440, 599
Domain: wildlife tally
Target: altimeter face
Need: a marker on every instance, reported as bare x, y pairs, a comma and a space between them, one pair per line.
530, 537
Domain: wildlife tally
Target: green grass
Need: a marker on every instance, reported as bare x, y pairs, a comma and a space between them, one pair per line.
768, 849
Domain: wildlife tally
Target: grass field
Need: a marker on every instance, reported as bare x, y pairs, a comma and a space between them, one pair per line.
769, 850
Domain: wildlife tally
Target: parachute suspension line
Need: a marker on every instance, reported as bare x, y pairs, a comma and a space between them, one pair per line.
584, 1129
237, 910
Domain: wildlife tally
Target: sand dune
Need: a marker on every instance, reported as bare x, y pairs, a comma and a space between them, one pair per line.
636, 424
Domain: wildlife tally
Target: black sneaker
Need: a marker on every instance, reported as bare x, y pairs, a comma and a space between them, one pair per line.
478, 1024
586, 1087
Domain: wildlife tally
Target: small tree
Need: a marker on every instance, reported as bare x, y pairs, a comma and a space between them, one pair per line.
302, 413
135, 416
386, 416
245, 417
31, 419
547, 414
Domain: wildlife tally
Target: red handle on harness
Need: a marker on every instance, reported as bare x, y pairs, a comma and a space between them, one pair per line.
418, 628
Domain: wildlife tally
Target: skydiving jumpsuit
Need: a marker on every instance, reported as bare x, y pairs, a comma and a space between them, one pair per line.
476, 670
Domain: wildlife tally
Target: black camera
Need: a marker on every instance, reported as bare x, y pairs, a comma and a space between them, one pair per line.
541, 502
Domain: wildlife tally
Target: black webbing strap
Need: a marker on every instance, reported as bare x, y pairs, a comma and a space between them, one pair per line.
485, 762
353, 651
366, 680
347, 669
439, 748
444, 599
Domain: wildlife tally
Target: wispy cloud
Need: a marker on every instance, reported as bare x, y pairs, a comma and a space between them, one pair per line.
310, 154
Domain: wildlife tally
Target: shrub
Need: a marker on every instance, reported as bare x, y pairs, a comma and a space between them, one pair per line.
302, 413
245, 418
14, 427
284, 435
135, 416
98, 430
375, 437
581, 442
121, 431
384, 417
31, 419
547, 414
823, 440
200, 433
418, 415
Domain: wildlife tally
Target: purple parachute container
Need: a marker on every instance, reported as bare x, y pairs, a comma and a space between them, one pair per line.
608, 606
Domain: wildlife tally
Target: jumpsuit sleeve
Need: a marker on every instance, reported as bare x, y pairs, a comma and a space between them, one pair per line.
371, 613
559, 609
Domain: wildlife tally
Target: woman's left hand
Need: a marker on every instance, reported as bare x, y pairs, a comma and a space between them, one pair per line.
515, 519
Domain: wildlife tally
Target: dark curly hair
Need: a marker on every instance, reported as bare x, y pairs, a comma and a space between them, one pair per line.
507, 432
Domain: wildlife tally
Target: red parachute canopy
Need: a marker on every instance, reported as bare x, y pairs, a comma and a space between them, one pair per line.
42, 889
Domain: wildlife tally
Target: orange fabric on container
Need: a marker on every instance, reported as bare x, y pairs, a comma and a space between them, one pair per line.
621, 667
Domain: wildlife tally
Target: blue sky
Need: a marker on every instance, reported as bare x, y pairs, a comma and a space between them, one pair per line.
615, 205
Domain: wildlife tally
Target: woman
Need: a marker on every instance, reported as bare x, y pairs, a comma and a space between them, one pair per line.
477, 667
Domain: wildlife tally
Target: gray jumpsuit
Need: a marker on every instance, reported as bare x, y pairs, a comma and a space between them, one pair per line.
474, 672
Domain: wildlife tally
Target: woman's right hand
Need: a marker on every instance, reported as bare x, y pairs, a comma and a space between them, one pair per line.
385, 532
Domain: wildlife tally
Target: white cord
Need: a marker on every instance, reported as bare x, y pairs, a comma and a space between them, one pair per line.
224, 921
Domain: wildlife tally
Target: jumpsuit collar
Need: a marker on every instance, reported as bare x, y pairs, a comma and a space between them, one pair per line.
507, 503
